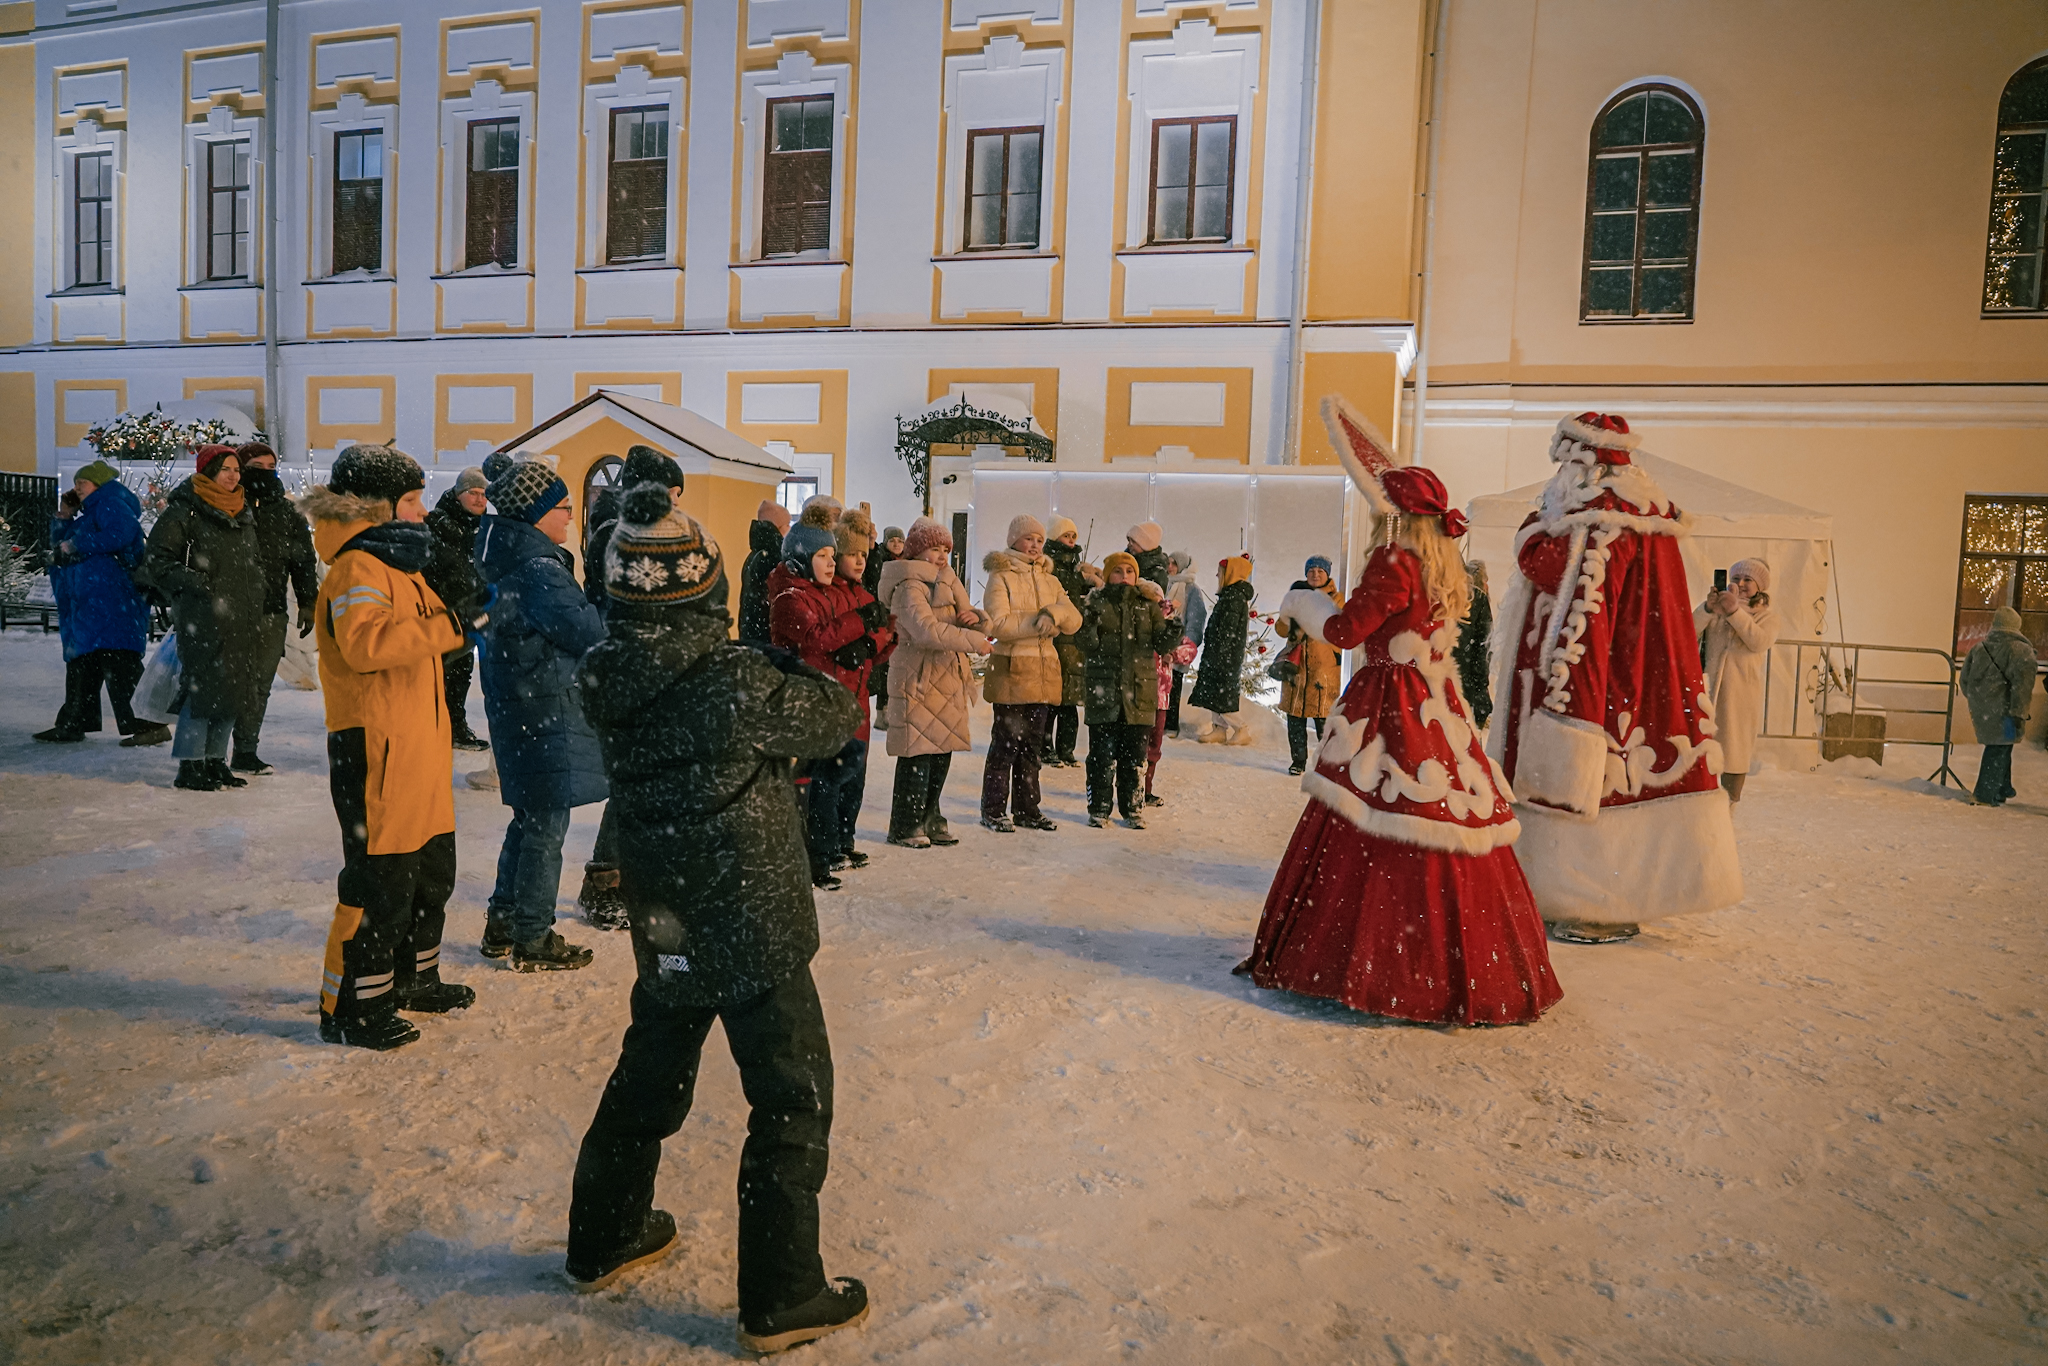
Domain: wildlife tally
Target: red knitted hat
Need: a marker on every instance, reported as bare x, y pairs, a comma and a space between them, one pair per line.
208, 458
925, 534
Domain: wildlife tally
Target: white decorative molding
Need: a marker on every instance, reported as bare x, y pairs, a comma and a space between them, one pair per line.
509, 44
89, 317
104, 89
636, 30
352, 302
1195, 73
964, 14
651, 392
1150, 9
85, 407
781, 403
486, 100
774, 289
769, 20
223, 312
1184, 280
350, 407
374, 58
797, 73
471, 405
501, 297
1005, 85
1178, 403
648, 294
995, 284
227, 74
1362, 339
633, 88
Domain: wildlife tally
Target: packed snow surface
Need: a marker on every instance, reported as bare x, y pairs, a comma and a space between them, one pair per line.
1807, 1129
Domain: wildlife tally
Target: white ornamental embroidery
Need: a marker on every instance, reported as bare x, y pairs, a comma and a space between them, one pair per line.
692, 566
672, 962
645, 574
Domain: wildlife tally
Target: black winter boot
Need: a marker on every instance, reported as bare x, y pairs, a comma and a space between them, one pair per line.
549, 953
657, 1239
427, 994
194, 777
603, 904
222, 775
841, 1304
374, 1026
497, 941
251, 764
57, 735
466, 739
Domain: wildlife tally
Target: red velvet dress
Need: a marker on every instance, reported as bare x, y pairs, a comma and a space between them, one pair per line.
1399, 893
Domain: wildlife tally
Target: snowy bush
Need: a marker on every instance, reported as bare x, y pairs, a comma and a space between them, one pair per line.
16, 573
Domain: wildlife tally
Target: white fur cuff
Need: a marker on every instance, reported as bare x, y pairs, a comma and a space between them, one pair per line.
1561, 762
1309, 609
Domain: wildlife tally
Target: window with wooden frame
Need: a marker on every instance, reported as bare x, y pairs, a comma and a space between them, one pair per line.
1194, 173
359, 200
1643, 208
636, 205
2004, 564
2013, 258
1002, 188
227, 210
491, 204
796, 182
92, 219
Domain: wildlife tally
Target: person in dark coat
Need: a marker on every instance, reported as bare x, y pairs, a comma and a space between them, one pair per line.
699, 738
644, 465
452, 574
885, 550
1142, 543
548, 758
764, 552
1313, 669
1063, 548
286, 543
1998, 683
205, 556
101, 616
1191, 609
1124, 630
1473, 652
1219, 682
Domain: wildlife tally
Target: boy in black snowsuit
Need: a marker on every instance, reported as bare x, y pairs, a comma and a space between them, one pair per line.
699, 735
1123, 632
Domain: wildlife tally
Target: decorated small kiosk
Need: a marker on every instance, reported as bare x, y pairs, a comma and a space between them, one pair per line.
725, 477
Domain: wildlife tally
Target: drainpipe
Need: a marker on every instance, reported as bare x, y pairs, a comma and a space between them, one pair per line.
1436, 116
273, 116
1304, 183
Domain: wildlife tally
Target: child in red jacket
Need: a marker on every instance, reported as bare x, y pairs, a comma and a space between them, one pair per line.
819, 611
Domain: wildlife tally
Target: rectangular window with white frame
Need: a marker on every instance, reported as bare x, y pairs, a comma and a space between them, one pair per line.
92, 220
227, 217
491, 197
1194, 172
1003, 170
358, 200
796, 181
636, 205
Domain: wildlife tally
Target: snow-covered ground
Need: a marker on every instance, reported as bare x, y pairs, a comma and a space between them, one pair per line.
1808, 1129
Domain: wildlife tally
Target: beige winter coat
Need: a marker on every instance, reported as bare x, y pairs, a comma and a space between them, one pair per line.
1736, 647
1026, 608
930, 684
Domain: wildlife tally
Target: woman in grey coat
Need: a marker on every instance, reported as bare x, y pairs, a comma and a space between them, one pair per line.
1998, 681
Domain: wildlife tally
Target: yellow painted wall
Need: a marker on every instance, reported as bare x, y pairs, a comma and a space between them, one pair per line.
454, 436
1045, 389
1369, 381
17, 184
1369, 96
18, 420
671, 383
828, 433
1231, 441
325, 436
73, 433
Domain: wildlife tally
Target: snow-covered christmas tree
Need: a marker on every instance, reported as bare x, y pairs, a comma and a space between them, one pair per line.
16, 573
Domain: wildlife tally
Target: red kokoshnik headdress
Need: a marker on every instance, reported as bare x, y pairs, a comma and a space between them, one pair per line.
1388, 484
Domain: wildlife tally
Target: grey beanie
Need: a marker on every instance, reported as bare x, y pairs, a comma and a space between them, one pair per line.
471, 478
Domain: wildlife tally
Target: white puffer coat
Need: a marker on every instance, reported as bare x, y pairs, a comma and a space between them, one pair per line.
1026, 608
930, 684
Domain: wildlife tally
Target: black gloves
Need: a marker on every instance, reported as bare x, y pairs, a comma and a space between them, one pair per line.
305, 622
854, 653
874, 616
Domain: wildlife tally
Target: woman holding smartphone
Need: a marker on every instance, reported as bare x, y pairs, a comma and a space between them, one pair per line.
1737, 629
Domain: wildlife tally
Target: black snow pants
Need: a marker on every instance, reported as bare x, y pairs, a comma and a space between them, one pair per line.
785, 1061
914, 801
1114, 752
118, 671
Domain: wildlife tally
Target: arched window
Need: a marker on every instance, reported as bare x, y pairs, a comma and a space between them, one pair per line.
2012, 260
1643, 207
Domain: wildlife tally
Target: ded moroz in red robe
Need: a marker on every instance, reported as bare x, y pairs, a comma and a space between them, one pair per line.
1603, 724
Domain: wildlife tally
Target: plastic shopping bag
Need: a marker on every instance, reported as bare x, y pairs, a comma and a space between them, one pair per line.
158, 695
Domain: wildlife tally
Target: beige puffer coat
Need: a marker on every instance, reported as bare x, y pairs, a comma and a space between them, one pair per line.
930, 684
1026, 608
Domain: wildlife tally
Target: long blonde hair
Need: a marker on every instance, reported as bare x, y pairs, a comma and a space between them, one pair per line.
1444, 575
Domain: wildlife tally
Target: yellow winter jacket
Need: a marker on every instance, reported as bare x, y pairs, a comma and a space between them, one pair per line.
381, 634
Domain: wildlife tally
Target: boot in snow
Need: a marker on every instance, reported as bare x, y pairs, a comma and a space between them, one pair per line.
854, 858
57, 735
1098, 822
146, 733
916, 839
549, 953
604, 906
251, 764
841, 1304
1036, 821
193, 776
1000, 824
466, 739
657, 1239
427, 994
497, 940
938, 832
222, 775
1134, 819
374, 1026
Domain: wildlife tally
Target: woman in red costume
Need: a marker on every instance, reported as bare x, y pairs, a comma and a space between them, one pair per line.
1399, 893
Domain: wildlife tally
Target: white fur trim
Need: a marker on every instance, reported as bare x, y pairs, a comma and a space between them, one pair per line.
1363, 465
1562, 762
1420, 831
1667, 856
1310, 609
1599, 438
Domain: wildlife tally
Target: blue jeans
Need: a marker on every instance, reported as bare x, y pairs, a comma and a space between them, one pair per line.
529, 873
199, 738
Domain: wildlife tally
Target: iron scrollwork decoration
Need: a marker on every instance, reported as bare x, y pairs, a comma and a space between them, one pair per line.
962, 425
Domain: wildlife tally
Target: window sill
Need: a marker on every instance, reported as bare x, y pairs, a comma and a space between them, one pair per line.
1184, 249
618, 267
85, 292
2011, 314
998, 254
1650, 321
198, 285
789, 261
351, 277
491, 272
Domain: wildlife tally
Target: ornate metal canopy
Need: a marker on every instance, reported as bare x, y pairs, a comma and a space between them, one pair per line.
963, 424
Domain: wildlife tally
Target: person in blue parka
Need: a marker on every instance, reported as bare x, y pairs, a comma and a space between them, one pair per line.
101, 616
548, 756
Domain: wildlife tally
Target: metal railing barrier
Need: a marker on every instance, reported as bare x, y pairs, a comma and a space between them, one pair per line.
1826, 697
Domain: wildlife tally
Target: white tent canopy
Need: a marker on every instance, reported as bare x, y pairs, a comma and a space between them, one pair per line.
1729, 523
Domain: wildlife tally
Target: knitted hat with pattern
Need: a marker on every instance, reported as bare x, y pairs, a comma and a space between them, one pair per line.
660, 557
528, 491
